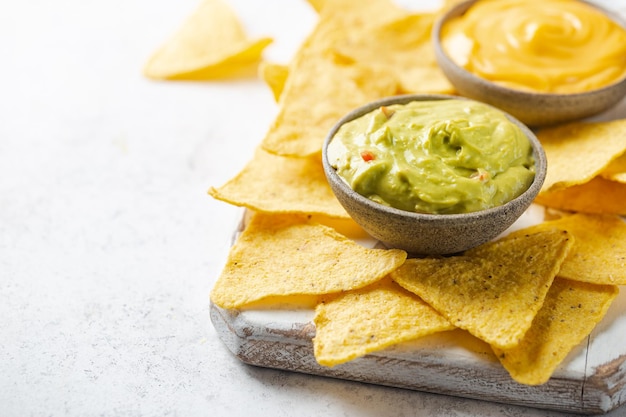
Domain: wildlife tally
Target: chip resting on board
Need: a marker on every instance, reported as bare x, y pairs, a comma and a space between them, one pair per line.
285, 255
211, 44
579, 151
402, 49
370, 319
598, 254
569, 313
308, 109
494, 290
599, 196
616, 170
277, 184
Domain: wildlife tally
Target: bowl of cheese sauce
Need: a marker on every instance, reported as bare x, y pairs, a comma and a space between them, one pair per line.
543, 61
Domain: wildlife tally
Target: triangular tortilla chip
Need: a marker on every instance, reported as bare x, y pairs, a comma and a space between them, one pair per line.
598, 196
409, 55
598, 254
276, 184
579, 151
495, 290
320, 88
211, 44
370, 319
616, 170
282, 255
308, 110
569, 313
275, 76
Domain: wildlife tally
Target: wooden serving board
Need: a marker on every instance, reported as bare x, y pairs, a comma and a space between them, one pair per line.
591, 380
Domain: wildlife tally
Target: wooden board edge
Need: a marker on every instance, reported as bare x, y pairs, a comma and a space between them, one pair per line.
291, 349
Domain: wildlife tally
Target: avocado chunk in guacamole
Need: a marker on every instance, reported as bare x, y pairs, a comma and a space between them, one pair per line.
438, 156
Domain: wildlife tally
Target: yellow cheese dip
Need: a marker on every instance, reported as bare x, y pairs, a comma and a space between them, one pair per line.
554, 46
437, 156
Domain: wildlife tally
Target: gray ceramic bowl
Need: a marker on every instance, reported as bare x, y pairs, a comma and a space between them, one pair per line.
533, 109
419, 233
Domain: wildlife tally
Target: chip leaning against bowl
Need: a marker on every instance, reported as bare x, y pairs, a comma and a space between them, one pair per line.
438, 157
551, 46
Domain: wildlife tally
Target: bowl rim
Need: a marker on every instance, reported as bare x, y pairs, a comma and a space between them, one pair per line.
541, 163
461, 8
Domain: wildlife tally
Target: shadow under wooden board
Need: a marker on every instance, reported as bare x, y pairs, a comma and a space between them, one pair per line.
591, 380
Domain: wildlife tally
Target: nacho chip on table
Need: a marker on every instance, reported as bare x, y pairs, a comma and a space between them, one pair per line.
569, 313
286, 255
211, 44
275, 184
578, 152
370, 319
597, 196
493, 291
598, 254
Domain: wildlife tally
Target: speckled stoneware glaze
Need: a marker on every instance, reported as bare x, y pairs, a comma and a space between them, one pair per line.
423, 234
533, 109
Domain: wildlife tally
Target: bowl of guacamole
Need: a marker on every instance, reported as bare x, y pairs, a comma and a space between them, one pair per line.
433, 174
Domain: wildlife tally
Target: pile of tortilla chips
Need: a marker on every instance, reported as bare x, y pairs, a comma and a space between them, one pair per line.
533, 295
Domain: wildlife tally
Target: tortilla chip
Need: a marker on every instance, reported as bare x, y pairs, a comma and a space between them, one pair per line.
616, 170
277, 184
401, 49
370, 319
598, 254
317, 5
570, 312
579, 151
282, 255
493, 291
598, 196
211, 44
275, 76
321, 89
308, 110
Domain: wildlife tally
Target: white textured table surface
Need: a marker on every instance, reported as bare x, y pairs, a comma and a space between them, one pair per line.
109, 244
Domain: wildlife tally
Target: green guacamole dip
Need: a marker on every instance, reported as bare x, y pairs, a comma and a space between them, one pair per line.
440, 156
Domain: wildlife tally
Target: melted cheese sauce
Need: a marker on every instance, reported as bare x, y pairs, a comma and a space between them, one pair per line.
555, 46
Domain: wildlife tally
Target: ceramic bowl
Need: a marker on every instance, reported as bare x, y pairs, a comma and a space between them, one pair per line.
420, 233
533, 109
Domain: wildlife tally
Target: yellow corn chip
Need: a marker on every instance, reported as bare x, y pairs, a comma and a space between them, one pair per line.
599, 196
277, 184
448, 4
579, 151
401, 49
275, 76
570, 312
211, 44
282, 255
598, 254
495, 290
616, 171
317, 5
321, 89
310, 109
370, 319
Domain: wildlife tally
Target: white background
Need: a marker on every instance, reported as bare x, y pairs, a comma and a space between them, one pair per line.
109, 243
